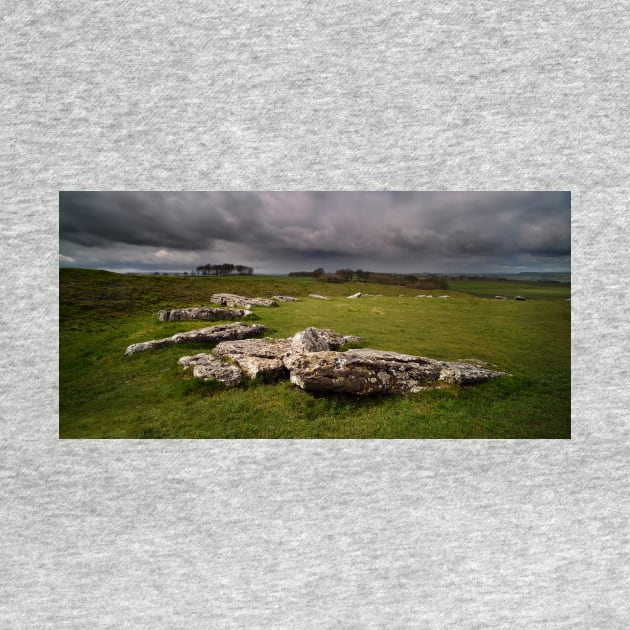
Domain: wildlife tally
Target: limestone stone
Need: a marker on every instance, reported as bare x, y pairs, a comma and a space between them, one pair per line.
216, 370
320, 339
317, 297
230, 299
466, 374
367, 371
284, 298
361, 372
354, 296
252, 366
212, 334
267, 348
202, 313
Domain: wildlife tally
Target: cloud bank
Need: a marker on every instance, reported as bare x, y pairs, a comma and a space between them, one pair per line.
278, 232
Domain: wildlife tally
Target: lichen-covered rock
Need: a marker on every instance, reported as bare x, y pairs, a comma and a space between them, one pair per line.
465, 373
256, 356
367, 371
252, 366
361, 372
265, 348
284, 298
195, 359
320, 339
202, 313
216, 370
229, 299
213, 334
317, 297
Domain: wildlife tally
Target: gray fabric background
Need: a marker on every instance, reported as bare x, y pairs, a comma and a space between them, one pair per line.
314, 96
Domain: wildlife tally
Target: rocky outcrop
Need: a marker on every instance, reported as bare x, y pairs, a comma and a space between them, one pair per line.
256, 356
354, 296
202, 313
267, 348
366, 371
209, 368
312, 362
424, 296
229, 299
317, 297
360, 372
284, 298
211, 334
320, 339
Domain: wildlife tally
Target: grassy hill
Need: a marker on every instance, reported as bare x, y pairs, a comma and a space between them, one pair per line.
106, 395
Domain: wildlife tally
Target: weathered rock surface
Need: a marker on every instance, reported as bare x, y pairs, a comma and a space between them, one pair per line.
195, 359
255, 366
465, 373
354, 296
320, 339
202, 313
312, 363
267, 348
361, 372
229, 299
366, 371
317, 297
213, 334
229, 375
284, 298
256, 356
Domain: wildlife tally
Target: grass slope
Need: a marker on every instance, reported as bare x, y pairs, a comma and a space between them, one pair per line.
106, 395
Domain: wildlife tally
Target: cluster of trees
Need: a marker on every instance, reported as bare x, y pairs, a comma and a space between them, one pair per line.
359, 275
225, 269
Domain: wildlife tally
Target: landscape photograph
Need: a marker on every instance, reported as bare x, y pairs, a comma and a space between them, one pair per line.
315, 315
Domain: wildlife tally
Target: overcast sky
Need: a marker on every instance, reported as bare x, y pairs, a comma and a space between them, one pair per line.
279, 232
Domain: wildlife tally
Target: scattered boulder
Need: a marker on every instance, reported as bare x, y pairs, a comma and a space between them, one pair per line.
229, 299
252, 366
196, 359
320, 339
213, 334
360, 372
317, 297
267, 348
465, 373
284, 298
519, 297
202, 313
312, 361
229, 375
355, 296
256, 356
367, 371
445, 296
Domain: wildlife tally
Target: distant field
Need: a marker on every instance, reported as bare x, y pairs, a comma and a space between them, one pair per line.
106, 395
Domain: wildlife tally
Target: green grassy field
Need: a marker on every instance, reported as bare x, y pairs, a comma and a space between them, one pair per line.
104, 394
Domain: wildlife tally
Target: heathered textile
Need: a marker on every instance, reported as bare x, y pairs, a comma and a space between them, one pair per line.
314, 96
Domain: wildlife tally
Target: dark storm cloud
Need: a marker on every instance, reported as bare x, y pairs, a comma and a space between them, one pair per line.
282, 231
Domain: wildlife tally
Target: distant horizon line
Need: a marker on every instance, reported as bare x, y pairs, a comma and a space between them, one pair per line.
413, 273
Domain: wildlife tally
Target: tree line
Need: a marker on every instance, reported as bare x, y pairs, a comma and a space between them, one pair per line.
359, 275
225, 269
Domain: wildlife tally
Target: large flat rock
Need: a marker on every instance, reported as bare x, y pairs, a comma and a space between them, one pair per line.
203, 313
320, 339
211, 334
230, 299
366, 371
